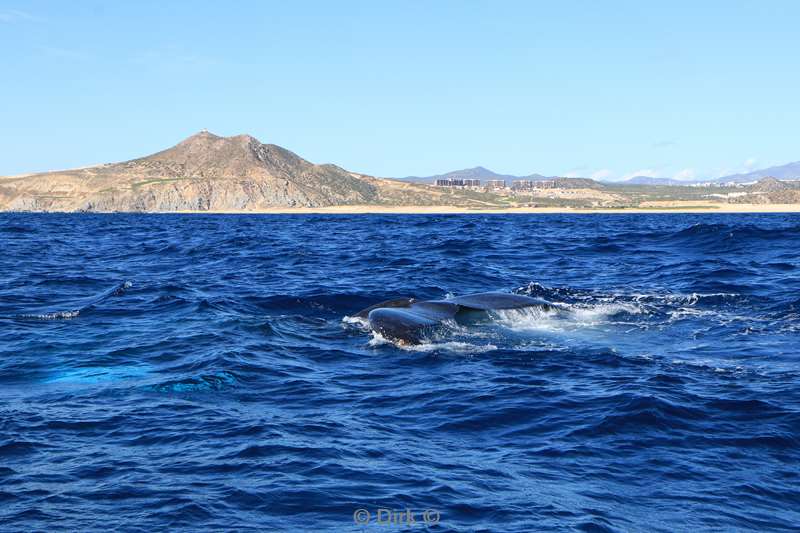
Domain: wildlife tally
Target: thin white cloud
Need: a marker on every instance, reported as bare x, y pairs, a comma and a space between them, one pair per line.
174, 56
722, 172
664, 144
685, 174
576, 172
15, 15
64, 53
748, 165
601, 174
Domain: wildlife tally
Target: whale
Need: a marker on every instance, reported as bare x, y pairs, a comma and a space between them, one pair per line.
407, 320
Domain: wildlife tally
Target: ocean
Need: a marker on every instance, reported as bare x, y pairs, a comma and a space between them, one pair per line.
205, 372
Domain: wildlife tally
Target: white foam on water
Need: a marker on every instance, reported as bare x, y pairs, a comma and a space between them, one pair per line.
528, 319
431, 346
679, 298
72, 313
379, 340
688, 312
451, 346
563, 317
358, 321
718, 317
53, 316
718, 367
600, 313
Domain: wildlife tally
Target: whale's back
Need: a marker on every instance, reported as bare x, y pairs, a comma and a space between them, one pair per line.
407, 320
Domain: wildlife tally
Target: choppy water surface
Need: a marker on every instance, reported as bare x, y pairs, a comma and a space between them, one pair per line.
201, 372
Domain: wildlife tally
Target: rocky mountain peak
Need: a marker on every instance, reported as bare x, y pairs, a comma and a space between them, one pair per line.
201, 136
770, 184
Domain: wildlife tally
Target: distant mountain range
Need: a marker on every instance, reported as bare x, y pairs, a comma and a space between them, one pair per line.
484, 174
479, 173
790, 171
207, 172
648, 180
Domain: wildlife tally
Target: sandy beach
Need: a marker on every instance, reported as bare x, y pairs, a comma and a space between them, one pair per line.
666, 207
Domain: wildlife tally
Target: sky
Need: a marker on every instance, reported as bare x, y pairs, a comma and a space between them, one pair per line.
574, 88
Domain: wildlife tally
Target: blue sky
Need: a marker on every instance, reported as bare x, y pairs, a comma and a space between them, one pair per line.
603, 89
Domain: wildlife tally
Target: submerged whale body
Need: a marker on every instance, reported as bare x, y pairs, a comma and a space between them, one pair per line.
406, 319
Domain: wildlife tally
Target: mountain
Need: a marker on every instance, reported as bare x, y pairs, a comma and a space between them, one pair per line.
648, 180
480, 173
770, 185
789, 171
574, 183
770, 190
209, 172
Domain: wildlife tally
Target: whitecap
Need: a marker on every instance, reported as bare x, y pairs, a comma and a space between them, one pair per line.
432, 345
358, 321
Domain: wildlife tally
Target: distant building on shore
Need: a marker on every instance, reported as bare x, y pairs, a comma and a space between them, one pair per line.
457, 182
496, 184
522, 185
527, 185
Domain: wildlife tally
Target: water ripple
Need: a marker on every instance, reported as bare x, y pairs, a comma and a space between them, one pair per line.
204, 372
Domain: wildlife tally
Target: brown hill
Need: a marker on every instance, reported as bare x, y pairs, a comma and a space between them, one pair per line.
577, 183
208, 172
769, 185
770, 190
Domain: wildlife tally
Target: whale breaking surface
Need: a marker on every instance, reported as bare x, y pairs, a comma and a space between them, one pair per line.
407, 319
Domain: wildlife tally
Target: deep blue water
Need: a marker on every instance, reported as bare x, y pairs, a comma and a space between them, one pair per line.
200, 372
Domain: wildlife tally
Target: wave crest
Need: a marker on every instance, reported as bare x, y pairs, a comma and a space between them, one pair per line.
75, 309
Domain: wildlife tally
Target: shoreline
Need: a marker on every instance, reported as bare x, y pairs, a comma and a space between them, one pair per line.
454, 210
674, 207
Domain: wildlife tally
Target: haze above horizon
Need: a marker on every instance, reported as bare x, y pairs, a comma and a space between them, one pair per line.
577, 89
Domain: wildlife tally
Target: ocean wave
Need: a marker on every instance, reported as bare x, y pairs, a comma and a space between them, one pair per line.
75, 309
641, 414
432, 345
13, 228
357, 321
237, 356
573, 309
726, 235
204, 383
576, 295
